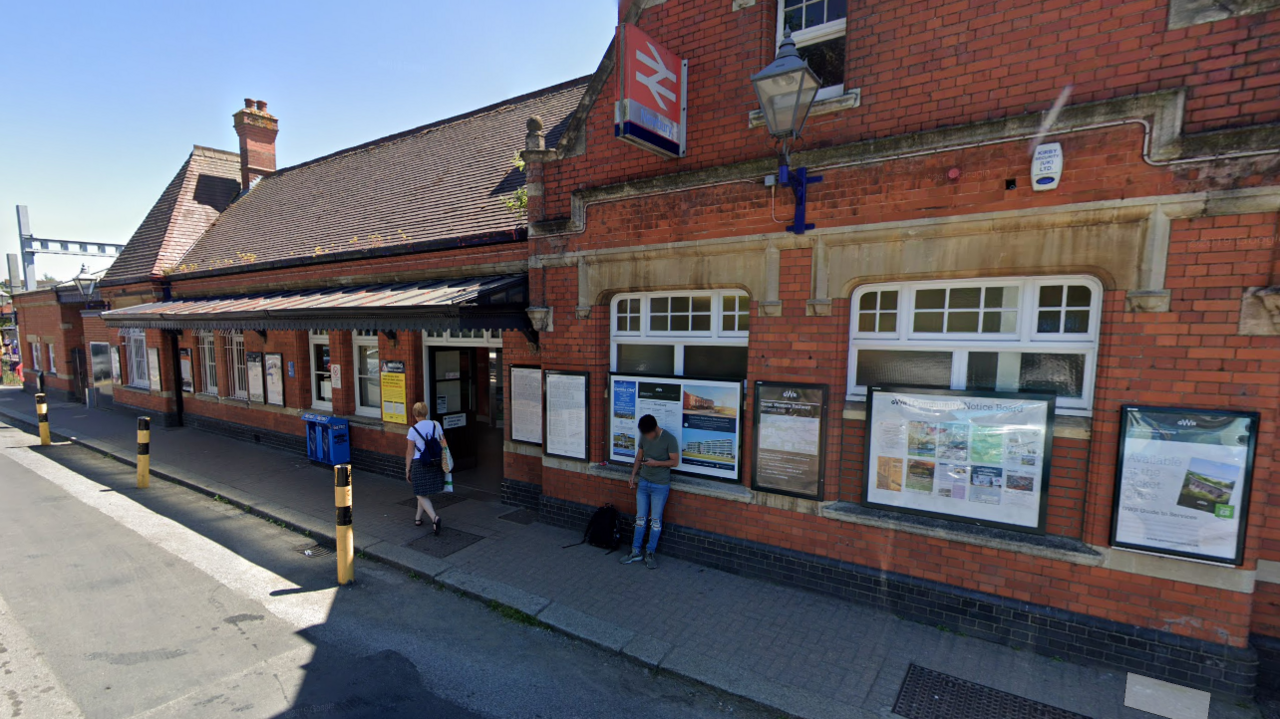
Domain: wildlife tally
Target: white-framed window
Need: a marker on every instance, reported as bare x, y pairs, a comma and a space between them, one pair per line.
483, 338
321, 376
368, 373
37, 360
1028, 334
818, 28
136, 349
207, 346
53, 360
683, 334
238, 374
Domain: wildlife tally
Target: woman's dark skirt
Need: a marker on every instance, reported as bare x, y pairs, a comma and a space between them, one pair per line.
426, 481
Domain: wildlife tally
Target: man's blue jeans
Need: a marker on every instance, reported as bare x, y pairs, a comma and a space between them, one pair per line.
651, 499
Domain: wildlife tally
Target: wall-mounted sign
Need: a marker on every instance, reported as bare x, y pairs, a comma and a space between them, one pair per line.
393, 393
1183, 482
702, 414
526, 405
980, 457
257, 386
652, 110
184, 368
566, 423
275, 379
1046, 167
153, 369
335, 375
454, 420
790, 438
290, 368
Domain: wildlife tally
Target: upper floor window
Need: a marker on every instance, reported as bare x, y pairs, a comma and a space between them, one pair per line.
1014, 335
683, 334
818, 27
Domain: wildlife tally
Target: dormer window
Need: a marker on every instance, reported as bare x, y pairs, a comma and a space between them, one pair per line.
818, 27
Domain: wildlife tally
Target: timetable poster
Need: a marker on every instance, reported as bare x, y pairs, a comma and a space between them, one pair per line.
979, 457
702, 414
789, 432
566, 423
275, 379
526, 405
1184, 479
257, 387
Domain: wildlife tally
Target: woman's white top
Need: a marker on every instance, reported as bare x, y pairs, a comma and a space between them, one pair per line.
427, 428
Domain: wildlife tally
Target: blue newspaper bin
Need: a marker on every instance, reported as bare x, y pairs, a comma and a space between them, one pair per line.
328, 439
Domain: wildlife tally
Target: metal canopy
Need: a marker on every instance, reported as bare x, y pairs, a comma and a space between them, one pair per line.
487, 303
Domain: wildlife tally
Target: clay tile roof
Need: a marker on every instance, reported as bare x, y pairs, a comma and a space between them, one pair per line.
446, 182
205, 186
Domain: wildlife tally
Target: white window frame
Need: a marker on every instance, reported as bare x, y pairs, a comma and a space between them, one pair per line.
37, 359
677, 339
237, 367
363, 338
468, 338
313, 340
136, 351
1027, 338
53, 360
207, 347
812, 36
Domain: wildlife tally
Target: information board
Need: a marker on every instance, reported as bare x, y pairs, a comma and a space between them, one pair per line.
253, 367
184, 367
702, 414
275, 379
566, 422
1183, 482
393, 393
980, 457
153, 369
790, 432
526, 405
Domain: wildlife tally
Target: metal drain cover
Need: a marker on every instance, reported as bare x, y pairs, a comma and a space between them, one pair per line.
926, 694
312, 550
450, 541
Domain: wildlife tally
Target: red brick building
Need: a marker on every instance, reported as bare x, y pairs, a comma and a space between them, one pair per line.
1147, 277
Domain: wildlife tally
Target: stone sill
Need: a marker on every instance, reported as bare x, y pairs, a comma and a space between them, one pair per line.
1046, 546
849, 100
680, 483
1064, 425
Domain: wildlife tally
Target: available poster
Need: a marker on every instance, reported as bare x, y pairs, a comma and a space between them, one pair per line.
153, 369
253, 366
526, 405
275, 379
184, 366
1183, 482
789, 438
979, 457
702, 414
566, 423
392, 381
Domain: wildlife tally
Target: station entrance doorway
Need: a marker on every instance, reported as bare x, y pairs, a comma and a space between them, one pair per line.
465, 386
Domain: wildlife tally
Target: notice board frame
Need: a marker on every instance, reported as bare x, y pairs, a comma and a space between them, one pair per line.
586, 413
542, 390
823, 428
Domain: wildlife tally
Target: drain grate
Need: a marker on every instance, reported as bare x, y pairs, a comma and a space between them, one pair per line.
313, 550
439, 501
520, 516
449, 541
926, 694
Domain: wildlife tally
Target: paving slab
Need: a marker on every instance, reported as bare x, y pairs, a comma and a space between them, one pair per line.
493, 591
586, 627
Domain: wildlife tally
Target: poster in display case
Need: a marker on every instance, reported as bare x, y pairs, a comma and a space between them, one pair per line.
702, 414
969, 456
565, 425
790, 438
526, 405
1183, 479
275, 379
253, 371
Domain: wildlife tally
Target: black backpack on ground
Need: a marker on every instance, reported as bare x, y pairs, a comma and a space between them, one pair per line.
603, 531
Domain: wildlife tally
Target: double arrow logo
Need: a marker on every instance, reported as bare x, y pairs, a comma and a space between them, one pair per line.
661, 73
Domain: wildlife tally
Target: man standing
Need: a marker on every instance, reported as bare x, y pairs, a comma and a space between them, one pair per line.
657, 454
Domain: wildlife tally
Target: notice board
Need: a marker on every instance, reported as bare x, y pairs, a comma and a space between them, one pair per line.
393, 393
566, 419
790, 434
275, 379
978, 457
702, 414
526, 405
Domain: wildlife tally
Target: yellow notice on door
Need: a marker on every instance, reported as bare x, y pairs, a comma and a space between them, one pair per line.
393, 393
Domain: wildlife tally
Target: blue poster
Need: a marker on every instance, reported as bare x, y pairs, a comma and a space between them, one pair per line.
624, 416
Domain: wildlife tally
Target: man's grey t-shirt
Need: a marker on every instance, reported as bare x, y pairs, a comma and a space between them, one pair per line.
661, 448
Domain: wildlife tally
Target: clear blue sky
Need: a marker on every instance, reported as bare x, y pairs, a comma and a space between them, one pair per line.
103, 100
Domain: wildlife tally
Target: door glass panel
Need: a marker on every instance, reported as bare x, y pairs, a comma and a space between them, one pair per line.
647, 359
448, 364
715, 362
912, 368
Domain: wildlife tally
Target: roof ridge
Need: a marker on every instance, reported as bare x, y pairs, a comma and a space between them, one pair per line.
469, 115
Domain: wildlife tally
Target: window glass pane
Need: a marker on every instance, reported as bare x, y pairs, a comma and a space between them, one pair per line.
867, 322
1051, 296
702, 304
993, 371
744, 319
868, 301
679, 305
931, 299
370, 393
962, 322
888, 321
794, 19
835, 9
890, 367
814, 15
633, 324
321, 356
991, 321
647, 359
1077, 321
679, 323
1049, 321
1053, 373
701, 323
657, 323
659, 304
715, 362
1079, 296
826, 59
965, 297
929, 321
622, 323
368, 362
889, 300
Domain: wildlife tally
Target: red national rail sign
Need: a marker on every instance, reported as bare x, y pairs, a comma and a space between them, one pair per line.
652, 109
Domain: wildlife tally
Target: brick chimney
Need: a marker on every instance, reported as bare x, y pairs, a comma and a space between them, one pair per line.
257, 129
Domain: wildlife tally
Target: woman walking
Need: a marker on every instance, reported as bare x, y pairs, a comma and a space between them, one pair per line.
425, 473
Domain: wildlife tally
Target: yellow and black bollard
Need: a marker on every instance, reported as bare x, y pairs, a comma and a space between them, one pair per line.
144, 452
42, 416
345, 536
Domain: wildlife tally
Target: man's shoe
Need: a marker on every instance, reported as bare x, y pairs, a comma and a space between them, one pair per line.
631, 558
651, 560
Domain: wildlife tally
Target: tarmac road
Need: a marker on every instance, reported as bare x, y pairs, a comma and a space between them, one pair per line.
118, 602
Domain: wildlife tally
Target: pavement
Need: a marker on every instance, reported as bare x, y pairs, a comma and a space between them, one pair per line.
793, 651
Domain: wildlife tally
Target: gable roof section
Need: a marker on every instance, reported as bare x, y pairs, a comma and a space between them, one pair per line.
205, 186
443, 184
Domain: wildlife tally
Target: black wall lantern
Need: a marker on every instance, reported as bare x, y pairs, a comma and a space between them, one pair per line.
786, 90
86, 282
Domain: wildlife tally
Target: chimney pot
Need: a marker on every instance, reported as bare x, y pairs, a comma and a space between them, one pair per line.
248, 103
257, 131
262, 105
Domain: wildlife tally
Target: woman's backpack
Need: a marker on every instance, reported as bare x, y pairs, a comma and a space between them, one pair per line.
431, 452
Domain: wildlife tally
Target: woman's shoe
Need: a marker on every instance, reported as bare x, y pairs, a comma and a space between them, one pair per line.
436, 525
417, 522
